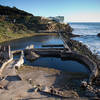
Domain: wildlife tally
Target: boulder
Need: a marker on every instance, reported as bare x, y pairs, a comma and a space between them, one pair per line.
83, 84
98, 93
98, 34
97, 81
89, 93
45, 89
32, 56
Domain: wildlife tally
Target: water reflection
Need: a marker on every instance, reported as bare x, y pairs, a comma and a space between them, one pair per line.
69, 66
36, 40
57, 63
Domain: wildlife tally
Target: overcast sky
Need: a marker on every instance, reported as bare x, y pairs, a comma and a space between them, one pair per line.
73, 10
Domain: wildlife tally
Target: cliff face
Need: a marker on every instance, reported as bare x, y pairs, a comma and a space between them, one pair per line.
13, 20
5, 10
52, 26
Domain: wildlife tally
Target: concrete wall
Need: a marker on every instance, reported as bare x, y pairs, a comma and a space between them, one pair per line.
4, 65
5, 56
20, 62
86, 60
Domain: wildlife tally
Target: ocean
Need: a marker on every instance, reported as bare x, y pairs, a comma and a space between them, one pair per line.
89, 36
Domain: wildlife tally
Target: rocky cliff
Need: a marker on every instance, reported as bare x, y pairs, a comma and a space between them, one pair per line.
13, 20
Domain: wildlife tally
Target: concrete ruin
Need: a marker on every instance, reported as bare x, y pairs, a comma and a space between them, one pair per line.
5, 53
5, 57
20, 62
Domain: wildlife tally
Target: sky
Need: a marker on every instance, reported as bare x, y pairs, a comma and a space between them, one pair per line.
72, 10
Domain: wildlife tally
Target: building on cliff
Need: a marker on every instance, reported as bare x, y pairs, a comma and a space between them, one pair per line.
59, 19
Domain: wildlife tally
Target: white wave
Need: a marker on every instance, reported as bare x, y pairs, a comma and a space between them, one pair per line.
86, 28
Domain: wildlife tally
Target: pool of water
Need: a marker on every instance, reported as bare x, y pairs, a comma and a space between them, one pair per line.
57, 63
51, 62
38, 41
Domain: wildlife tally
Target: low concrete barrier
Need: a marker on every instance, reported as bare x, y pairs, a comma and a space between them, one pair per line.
70, 55
16, 51
86, 60
20, 62
4, 65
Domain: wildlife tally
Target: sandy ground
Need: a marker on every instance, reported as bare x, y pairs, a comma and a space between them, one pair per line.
19, 85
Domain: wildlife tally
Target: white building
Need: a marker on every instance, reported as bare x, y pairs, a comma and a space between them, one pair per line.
59, 19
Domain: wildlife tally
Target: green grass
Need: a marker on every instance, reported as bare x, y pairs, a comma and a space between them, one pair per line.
11, 36
10, 31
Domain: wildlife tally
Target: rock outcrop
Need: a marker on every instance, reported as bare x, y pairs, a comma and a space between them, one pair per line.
98, 34
31, 56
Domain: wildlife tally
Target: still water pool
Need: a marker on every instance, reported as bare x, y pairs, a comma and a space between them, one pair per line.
51, 62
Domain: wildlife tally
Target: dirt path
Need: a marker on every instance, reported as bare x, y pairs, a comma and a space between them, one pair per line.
17, 84
14, 87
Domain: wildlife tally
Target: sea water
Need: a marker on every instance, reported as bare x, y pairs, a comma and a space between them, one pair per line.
88, 32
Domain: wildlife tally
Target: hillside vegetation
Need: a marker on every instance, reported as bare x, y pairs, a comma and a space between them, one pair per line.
15, 23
